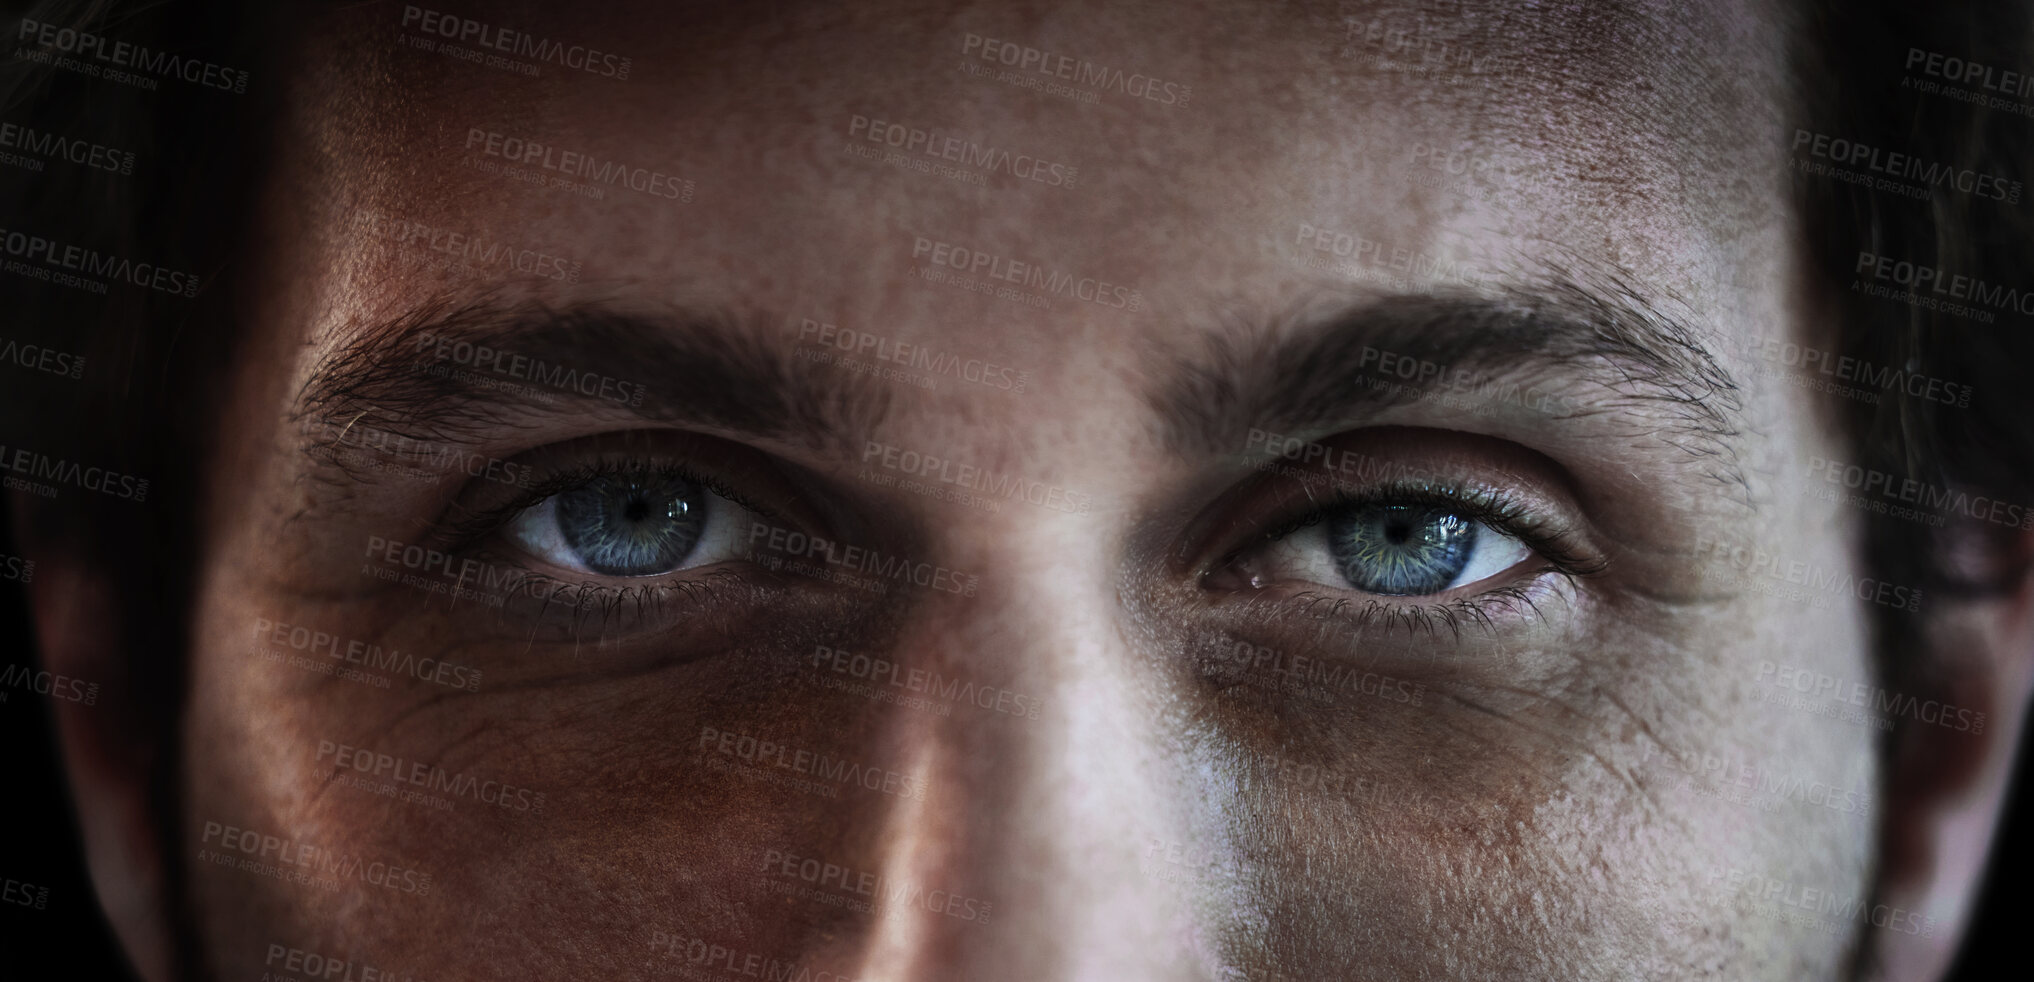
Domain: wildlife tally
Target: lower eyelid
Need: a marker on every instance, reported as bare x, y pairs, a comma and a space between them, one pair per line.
545, 602
1417, 621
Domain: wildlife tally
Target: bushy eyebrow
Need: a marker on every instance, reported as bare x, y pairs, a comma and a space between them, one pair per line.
1303, 375
1606, 351
684, 366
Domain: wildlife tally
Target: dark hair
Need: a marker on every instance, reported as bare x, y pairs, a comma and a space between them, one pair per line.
1851, 70
1862, 74
143, 405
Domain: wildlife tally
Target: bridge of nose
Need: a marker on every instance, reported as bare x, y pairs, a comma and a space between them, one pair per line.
1048, 775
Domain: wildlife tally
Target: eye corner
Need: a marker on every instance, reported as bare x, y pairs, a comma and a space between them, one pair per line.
1447, 550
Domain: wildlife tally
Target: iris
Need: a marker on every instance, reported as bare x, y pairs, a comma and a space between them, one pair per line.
632, 525
1400, 550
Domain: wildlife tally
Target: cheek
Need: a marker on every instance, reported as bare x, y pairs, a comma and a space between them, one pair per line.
1547, 817
347, 800
1616, 813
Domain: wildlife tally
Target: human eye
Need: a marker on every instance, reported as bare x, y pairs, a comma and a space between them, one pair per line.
646, 529
631, 519
1425, 544
1390, 543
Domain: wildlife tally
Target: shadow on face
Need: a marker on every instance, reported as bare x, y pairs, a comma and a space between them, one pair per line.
1026, 492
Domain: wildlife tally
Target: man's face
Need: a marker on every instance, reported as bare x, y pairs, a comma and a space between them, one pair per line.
1013, 492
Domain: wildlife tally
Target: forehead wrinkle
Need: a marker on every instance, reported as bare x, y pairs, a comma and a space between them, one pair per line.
1623, 96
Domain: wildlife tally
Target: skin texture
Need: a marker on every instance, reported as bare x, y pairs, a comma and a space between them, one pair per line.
1530, 814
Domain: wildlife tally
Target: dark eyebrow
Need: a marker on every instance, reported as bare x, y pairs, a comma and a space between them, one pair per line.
695, 366
1307, 374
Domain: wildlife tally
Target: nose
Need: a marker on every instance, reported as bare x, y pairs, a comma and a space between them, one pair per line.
1057, 803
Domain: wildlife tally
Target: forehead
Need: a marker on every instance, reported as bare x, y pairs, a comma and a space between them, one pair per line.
935, 168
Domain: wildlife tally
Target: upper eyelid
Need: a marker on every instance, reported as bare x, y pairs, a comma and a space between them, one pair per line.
1503, 485
1504, 516
468, 532
700, 589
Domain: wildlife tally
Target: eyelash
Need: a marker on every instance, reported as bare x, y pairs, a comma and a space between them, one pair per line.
469, 532
1499, 509
1494, 507
698, 592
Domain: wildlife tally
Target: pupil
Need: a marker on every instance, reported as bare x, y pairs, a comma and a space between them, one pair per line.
632, 525
1400, 550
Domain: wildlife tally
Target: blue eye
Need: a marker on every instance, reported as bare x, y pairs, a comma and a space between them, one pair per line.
1388, 549
632, 526
638, 522
1400, 550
